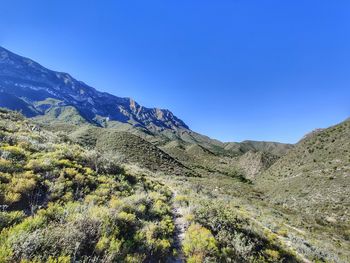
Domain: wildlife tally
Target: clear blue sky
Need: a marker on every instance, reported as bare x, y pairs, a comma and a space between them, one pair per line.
233, 70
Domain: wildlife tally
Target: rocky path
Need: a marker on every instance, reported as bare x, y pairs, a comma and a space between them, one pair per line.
180, 228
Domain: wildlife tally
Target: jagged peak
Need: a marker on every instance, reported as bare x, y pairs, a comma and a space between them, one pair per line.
23, 75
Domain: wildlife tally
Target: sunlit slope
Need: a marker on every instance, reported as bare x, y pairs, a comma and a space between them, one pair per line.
314, 177
130, 148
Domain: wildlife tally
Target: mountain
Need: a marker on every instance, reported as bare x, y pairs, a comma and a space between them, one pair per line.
36, 91
57, 98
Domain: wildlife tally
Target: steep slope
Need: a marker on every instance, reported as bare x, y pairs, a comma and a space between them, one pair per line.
32, 84
314, 177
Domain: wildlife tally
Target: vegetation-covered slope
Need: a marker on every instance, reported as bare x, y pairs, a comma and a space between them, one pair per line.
239, 165
275, 148
129, 148
62, 203
314, 177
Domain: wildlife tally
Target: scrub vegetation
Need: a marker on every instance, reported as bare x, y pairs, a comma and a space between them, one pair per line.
62, 203
96, 196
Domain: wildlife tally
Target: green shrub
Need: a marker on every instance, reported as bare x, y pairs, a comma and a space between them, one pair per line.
272, 255
10, 218
199, 244
182, 200
13, 153
7, 166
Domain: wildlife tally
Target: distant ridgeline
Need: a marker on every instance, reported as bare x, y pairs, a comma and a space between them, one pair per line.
56, 97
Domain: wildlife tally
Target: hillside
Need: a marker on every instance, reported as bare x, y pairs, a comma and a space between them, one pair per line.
275, 148
314, 176
255, 163
61, 202
129, 148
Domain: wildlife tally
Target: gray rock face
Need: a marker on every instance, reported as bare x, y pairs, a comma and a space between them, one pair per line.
31, 88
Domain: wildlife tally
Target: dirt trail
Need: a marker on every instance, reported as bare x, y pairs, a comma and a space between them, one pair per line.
180, 228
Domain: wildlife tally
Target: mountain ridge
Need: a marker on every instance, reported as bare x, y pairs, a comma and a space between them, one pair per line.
56, 97
35, 83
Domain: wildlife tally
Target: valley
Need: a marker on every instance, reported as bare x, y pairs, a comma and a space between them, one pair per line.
86, 176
